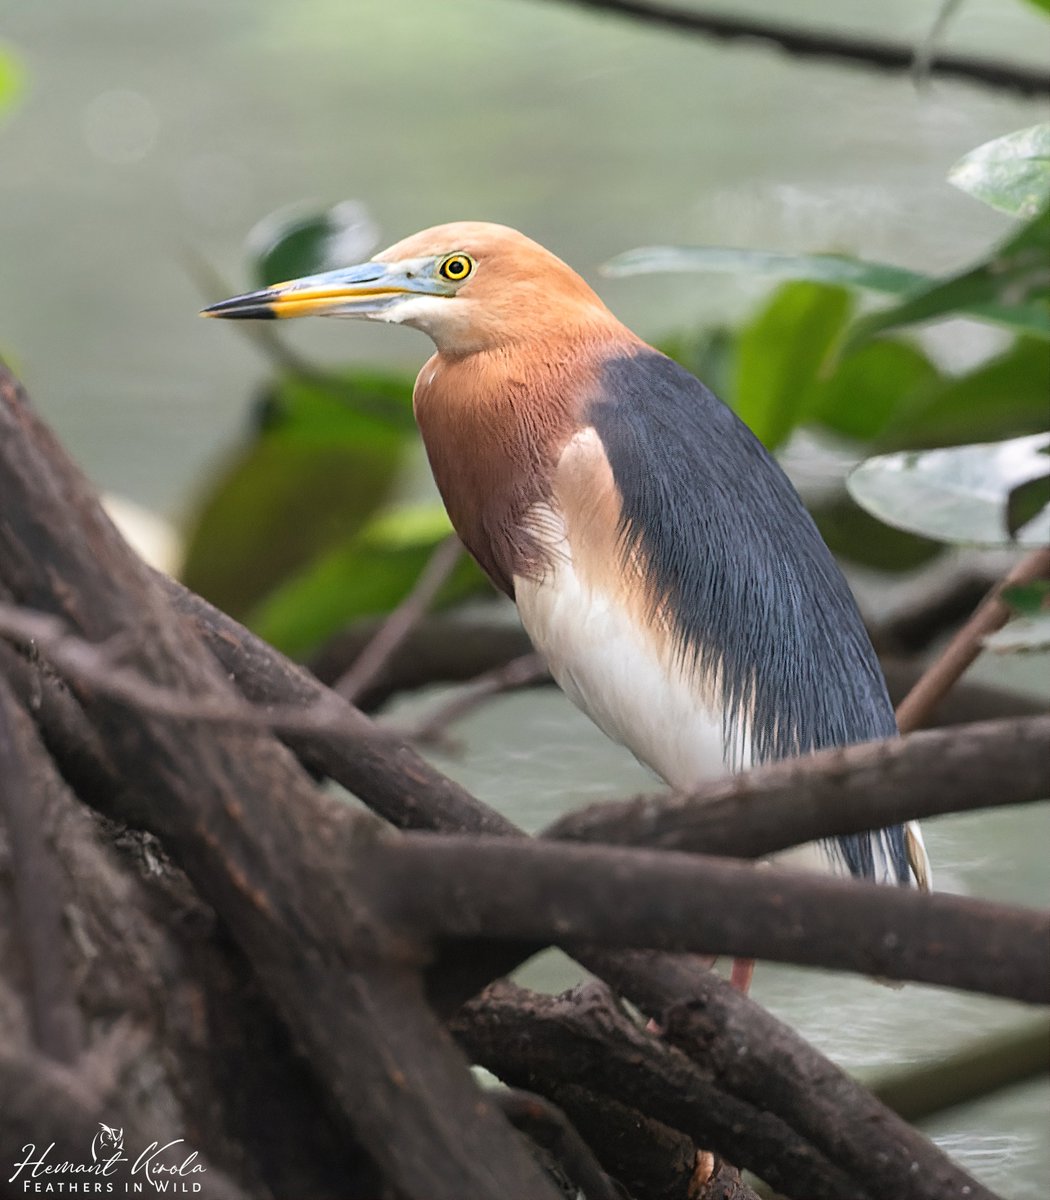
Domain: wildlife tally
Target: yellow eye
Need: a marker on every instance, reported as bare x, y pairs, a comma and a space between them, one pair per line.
456, 267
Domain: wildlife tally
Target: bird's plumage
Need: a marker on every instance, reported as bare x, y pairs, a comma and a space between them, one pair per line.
659, 557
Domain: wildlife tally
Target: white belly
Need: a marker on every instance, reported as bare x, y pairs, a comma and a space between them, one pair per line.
611, 670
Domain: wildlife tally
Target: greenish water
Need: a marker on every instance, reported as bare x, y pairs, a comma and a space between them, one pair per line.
159, 131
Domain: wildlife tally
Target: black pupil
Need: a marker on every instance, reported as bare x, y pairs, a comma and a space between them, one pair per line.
456, 267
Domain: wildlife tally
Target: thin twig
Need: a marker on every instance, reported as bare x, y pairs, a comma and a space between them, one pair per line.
525, 671
917, 707
95, 666
392, 633
807, 43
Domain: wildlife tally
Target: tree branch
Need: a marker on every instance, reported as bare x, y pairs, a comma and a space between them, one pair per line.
805, 43
536, 892
372, 763
584, 1038
652, 1160
914, 711
832, 793
737, 1042
258, 842
548, 1127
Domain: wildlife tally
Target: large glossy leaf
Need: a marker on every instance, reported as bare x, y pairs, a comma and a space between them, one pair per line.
1003, 397
957, 495
1011, 174
1012, 287
293, 242
779, 356
828, 268
870, 387
364, 576
311, 477
819, 268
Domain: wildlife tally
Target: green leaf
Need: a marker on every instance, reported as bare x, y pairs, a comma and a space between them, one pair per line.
1028, 599
1011, 174
1011, 287
1003, 397
291, 243
1042, 5
818, 268
855, 536
956, 495
1026, 504
312, 476
364, 576
871, 386
822, 268
1025, 635
12, 78
780, 354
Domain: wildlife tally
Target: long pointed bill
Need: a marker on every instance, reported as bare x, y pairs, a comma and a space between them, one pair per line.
366, 290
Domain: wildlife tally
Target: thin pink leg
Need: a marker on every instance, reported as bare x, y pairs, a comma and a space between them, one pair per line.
740, 976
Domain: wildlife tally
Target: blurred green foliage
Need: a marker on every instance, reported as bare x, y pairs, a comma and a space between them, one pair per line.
365, 575
303, 530
12, 79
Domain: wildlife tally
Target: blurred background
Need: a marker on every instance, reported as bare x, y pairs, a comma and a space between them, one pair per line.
158, 154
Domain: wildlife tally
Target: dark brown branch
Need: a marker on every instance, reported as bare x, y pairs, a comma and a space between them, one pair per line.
39, 886
142, 944
849, 790
583, 1038
547, 1126
548, 892
374, 764
399, 624
258, 842
916, 708
652, 1160
738, 1042
840, 47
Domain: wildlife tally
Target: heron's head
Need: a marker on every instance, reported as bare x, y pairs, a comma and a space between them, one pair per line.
470, 285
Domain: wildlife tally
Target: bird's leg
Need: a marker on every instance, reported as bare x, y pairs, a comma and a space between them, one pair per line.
740, 976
